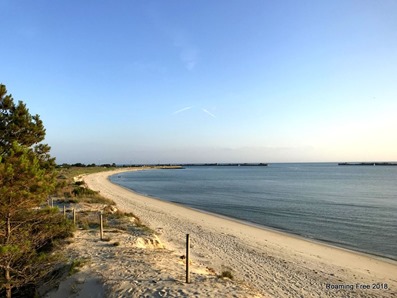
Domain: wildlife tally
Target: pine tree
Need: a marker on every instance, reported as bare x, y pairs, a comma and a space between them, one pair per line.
27, 178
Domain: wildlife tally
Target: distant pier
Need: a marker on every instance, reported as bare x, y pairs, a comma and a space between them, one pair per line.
181, 166
225, 164
367, 164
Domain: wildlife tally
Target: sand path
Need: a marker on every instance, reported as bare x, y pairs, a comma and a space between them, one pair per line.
277, 264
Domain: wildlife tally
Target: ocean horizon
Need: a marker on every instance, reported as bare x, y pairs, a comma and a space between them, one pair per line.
351, 207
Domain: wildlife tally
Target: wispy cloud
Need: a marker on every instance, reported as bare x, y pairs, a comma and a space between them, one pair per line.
189, 108
181, 110
180, 38
189, 57
209, 113
189, 53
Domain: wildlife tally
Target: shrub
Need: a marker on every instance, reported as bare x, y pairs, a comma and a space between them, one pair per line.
226, 274
82, 191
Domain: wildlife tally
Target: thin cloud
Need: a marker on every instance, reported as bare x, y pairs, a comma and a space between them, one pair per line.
188, 52
189, 108
189, 57
181, 110
209, 113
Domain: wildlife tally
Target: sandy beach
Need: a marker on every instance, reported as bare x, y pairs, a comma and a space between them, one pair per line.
274, 263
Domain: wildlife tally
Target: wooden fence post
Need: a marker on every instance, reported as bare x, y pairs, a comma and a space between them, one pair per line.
101, 225
64, 211
74, 216
187, 258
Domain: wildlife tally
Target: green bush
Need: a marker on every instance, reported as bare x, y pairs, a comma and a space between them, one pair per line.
82, 191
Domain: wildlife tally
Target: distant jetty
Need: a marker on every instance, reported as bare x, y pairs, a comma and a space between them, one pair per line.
181, 166
367, 164
214, 165
225, 165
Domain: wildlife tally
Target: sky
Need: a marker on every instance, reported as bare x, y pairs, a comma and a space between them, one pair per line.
206, 81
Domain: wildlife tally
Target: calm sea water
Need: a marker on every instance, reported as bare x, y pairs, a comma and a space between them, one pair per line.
349, 206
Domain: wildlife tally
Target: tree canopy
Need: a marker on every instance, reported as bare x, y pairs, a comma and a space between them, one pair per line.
17, 124
27, 178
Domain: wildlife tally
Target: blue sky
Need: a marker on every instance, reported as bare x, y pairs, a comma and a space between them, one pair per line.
206, 81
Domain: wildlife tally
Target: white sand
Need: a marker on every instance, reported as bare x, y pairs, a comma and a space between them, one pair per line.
277, 264
136, 268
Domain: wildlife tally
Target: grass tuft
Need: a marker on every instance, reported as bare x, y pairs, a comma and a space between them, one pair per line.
226, 274
76, 265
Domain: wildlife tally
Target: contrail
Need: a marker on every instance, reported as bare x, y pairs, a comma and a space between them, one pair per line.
209, 113
181, 110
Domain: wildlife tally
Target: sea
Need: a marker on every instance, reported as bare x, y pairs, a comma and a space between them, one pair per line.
353, 207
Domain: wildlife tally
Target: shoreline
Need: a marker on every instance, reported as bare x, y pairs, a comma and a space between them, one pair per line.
267, 228
390, 259
282, 232
256, 254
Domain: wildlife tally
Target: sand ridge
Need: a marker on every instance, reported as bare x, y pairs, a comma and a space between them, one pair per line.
134, 268
277, 264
